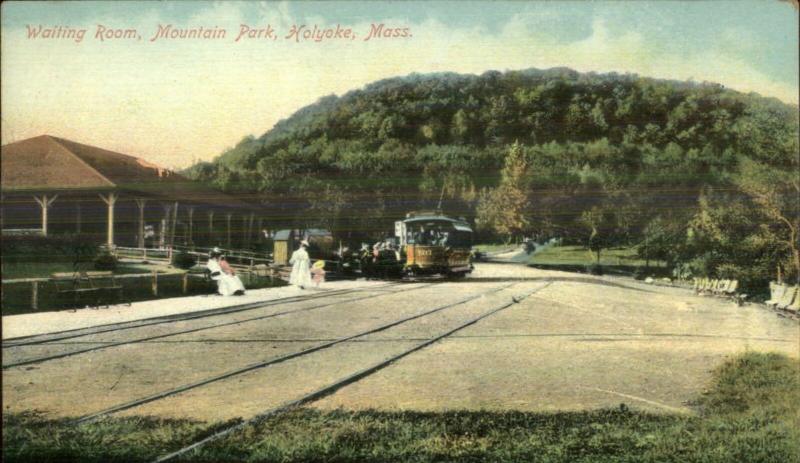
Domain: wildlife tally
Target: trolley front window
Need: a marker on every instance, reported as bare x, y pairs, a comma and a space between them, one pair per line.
438, 234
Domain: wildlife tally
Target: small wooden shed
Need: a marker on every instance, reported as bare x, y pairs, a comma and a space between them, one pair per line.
282, 247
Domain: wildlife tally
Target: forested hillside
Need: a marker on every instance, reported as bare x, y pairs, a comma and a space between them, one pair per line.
703, 175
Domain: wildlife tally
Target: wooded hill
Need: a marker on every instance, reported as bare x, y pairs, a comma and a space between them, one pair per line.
603, 157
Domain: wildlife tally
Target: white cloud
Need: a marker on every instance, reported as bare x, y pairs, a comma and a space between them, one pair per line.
175, 101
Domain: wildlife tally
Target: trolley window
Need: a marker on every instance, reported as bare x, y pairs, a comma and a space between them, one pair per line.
438, 233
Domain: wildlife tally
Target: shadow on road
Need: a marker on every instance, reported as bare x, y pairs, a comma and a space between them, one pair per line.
576, 279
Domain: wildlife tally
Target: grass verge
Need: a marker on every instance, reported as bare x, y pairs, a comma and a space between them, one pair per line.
579, 255
750, 414
495, 247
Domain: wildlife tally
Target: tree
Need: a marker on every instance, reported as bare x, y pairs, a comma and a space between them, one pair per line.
604, 156
729, 237
505, 209
599, 222
662, 240
777, 192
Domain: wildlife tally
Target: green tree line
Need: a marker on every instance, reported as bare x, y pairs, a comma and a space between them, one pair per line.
692, 173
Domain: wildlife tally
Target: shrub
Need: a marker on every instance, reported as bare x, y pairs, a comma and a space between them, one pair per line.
59, 248
105, 261
594, 269
703, 265
184, 260
640, 273
753, 279
682, 272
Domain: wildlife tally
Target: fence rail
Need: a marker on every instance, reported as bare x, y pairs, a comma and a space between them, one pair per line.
22, 232
246, 263
36, 286
235, 257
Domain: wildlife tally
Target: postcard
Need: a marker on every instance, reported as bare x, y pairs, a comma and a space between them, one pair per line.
292, 231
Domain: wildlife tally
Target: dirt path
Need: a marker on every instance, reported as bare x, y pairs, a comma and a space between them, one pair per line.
95, 380
581, 342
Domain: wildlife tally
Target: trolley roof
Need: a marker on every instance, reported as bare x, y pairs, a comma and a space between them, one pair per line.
457, 224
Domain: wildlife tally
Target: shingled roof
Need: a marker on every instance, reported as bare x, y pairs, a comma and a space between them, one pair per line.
47, 163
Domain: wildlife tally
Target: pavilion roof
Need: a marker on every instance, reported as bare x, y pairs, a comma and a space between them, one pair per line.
47, 163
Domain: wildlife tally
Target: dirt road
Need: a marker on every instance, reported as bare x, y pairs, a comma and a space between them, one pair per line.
578, 342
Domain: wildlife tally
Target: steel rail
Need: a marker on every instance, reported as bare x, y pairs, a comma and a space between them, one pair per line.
120, 326
191, 330
333, 387
276, 360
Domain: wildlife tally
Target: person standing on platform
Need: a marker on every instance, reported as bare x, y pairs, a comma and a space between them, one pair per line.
318, 272
301, 266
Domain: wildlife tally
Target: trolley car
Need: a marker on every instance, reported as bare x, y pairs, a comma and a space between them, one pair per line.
424, 243
431, 243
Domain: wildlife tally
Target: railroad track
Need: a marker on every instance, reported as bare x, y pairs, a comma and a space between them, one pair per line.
108, 345
345, 381
280, 359
97, 329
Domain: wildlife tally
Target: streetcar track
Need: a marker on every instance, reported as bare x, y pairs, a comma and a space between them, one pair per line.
187, 331
339, 384
280, 359
120, 326
594, 336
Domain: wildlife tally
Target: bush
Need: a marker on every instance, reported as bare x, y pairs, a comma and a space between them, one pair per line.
106, 262
184, 260
640, 273
753, 279
594, 269
59, 248
682, 272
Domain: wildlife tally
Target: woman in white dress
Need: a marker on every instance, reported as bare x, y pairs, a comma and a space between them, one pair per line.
301, 267
228, 284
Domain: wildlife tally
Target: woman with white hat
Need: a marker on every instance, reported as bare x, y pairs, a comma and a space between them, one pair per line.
228, 284
301, 267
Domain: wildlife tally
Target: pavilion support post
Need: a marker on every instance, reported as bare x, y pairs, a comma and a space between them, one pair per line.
244, 231
260, 230
78, 217
165, 225
228, 217
250, 222
174, 225
44, 203
34, 295
142, 203
189, 239
110, 201
211, 228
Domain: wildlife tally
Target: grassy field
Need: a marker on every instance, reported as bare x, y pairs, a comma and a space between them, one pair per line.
749, 414
493, 247
579, 255
14, 270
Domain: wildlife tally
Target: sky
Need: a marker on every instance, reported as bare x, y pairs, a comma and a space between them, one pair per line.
174, 101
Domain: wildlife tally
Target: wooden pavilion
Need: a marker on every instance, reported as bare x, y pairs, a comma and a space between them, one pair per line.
55, 186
